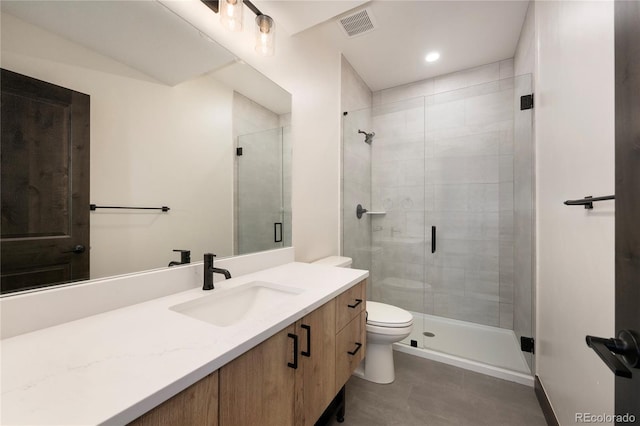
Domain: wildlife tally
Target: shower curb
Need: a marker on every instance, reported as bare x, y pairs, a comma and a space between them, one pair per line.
467, 364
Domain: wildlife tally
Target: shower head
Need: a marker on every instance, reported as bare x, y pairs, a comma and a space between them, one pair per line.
368, 137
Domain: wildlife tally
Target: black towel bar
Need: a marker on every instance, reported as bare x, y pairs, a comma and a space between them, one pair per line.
163, 208
587, 201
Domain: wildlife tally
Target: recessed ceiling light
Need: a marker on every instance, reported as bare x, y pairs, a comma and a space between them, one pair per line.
432, 57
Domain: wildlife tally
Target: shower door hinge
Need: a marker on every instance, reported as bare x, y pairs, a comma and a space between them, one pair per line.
526, 102
527, 344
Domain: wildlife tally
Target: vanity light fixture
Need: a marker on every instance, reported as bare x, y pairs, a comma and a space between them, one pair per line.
231, 14
432, 57
265, 35
231, 17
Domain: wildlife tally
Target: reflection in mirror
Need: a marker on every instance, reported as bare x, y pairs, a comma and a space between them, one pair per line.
168, 108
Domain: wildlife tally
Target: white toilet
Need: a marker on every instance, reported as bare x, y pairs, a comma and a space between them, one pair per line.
386, 325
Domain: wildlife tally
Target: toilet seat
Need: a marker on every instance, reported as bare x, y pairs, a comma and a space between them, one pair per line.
381, 315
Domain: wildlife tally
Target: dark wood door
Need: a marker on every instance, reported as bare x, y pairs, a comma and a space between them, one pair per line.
627, 54
45, 183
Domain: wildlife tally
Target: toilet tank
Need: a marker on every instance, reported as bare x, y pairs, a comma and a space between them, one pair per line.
339, 261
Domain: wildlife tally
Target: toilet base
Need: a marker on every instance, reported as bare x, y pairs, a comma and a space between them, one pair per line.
377, 366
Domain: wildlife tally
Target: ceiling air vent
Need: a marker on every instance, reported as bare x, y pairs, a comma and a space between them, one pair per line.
357, 23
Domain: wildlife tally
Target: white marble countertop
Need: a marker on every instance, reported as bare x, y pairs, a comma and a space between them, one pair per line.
112, 367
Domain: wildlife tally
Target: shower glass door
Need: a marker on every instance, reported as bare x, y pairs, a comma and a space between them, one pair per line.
259, 211
473, 292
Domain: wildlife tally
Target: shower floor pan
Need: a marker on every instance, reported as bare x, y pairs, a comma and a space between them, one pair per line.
488, 350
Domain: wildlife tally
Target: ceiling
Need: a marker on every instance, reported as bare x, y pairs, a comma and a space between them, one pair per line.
466, 33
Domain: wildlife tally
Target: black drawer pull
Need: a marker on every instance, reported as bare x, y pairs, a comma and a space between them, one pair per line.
307, 353
358, 301
294, 364
358, 346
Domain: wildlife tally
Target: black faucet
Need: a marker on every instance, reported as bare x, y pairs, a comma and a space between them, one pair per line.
209, 270
185, 257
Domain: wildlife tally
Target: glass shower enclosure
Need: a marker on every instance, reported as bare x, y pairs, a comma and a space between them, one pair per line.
263, 191
447, 182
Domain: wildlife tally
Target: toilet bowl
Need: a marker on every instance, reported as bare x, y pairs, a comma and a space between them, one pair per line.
386, 325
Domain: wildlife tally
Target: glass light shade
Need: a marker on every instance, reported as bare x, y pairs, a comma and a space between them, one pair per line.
231, 14
265, 35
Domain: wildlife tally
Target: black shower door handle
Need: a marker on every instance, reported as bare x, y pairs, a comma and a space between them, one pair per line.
277, 232
433, 239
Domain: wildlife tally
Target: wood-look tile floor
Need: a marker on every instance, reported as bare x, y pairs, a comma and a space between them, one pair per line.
429, 393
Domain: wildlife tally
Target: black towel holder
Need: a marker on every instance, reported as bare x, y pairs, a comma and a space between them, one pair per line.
588, 201
93, 207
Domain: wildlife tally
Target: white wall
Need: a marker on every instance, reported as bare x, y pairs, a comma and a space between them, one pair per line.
151, 144
574, 158
310, 70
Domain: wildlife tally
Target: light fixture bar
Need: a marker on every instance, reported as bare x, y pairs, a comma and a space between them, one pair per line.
212, 4
253, 8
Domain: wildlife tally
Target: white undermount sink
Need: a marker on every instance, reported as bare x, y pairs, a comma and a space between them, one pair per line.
227, 307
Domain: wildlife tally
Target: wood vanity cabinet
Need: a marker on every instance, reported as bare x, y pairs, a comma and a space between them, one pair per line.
258, 387
261, 387
196, 405
315, 380
269, 386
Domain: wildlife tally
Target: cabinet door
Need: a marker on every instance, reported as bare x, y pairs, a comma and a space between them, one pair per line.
350, 349
196, 405
315, 384
258, 387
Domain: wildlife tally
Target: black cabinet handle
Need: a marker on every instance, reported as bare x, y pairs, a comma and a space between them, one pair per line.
277, 236
307, 353
358, 346
294, 364
433, 239
358, 301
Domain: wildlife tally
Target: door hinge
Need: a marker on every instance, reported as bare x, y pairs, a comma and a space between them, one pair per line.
239, 151
526, 102
527, 344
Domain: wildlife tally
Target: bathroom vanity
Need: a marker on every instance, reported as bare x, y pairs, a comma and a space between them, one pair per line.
283, 344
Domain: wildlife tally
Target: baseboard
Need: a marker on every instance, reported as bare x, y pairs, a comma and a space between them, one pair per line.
543, 400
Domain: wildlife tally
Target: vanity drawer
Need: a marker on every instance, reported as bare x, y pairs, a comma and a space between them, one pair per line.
349, 304
350, 348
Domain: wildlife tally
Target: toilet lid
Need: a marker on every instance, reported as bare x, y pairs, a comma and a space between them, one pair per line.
383, 315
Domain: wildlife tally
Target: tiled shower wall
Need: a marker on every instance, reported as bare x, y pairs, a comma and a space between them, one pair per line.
356, 177
443, 156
